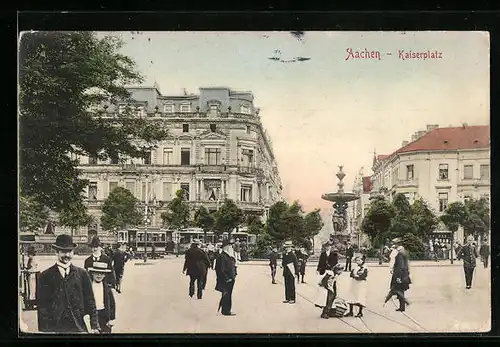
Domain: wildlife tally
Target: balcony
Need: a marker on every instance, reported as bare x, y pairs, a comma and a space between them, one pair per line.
249, 170
212, 168
411, 183
474, 182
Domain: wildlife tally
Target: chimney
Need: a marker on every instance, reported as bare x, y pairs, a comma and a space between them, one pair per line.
404, 143
431, 127
420, 133
464, 125
414, 137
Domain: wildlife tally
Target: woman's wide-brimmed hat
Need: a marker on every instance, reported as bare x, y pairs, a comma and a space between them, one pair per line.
95, 242
64, 242
99, 267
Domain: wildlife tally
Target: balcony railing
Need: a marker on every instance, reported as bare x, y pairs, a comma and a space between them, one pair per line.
212, 168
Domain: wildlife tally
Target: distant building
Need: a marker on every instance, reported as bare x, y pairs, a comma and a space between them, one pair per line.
217, 148
440, 165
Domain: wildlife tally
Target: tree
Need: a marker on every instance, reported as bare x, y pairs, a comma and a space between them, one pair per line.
254, 224
313, 223
204, 220
454, 216
178, 215
425, 220
62, 75
414, 245
402, 223
32, 215
276, 227
74, 215
377, 222
228, 217
120, 210
294, 222
477, 221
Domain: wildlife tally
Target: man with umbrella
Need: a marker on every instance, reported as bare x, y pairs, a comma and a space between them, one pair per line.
64, 294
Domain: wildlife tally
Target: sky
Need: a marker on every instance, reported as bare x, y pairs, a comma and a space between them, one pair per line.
327, 111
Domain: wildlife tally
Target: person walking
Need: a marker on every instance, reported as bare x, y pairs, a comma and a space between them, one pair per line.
225, 269
119, 259
290, 269
98, 255
64, 294
468, 254
400, 281
358, 288
273, 263
104, 299
195, 266
484, 252
349, 253
302, 257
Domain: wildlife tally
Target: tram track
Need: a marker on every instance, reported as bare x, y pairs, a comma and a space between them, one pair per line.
343, 320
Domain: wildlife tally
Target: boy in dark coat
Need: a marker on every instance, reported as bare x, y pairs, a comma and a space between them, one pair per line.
64, 294
225, 269
104, 299
273, 264
196, 266
99, 256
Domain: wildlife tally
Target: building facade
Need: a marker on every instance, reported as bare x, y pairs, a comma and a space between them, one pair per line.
216, 148
440, 165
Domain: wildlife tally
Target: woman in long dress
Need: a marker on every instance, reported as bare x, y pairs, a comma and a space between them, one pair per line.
31, 272
358, 288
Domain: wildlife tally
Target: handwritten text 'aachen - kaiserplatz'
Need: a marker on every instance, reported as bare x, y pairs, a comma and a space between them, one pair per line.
401, 54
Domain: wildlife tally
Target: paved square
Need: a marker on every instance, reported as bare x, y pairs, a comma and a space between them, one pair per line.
155, 300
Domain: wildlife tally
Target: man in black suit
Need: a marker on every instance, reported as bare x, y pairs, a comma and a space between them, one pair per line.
484, 252
119, 259
225, 269
99, 256
400, 281
273, 263
349, 253
290, 267
327, 259
64, 294
196, 266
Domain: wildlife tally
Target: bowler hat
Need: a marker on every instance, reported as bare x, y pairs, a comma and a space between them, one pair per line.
64, 242
95, 242
226, 243
99, 267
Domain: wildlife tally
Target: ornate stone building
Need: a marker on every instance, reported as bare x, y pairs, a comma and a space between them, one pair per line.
217, 148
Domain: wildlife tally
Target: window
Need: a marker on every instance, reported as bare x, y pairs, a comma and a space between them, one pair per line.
167, 191
93, 190
185, 156
468, 172
130, 185
245, 109
169, 108
114, 160
443, 201
247, 157
185, 128
246, 193
147, 159
484, 172
409, 172
443, 171
93, 160
185, 188
146, 190
186, 108
212, 127
212, 156
248, 129
112, 185
168, 155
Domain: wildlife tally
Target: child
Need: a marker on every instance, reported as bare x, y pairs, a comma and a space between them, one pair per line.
104, 299
357, 292
329, 283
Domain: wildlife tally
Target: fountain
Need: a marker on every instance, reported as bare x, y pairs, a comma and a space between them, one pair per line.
340, 200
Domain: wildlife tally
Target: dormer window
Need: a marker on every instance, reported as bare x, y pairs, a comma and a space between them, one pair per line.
245, 109
185, 108
168, 108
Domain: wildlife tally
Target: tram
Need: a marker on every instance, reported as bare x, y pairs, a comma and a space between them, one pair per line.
185, 237
155, 241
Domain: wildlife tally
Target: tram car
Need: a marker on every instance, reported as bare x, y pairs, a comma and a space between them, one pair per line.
155, 241
185, 237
